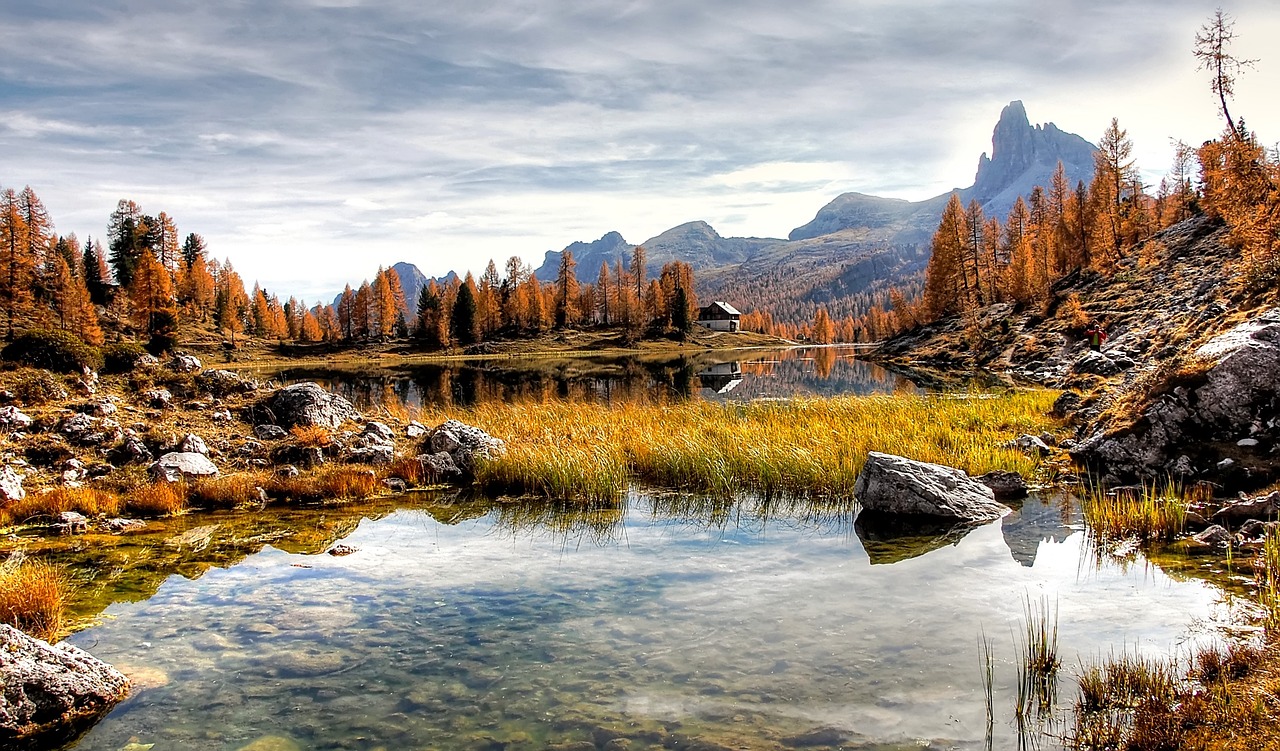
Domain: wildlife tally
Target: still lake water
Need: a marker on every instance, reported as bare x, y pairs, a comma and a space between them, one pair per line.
720, 375
672, 623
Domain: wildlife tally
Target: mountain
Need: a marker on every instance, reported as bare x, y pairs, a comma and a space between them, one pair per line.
412, 281
695, 243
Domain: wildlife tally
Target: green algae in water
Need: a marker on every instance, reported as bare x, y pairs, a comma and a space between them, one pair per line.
665, 625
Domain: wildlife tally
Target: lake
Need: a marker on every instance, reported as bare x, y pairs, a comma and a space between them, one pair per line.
673, 622
722, 375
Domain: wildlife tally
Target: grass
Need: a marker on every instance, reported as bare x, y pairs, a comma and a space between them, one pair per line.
326, 484
1155, 513
33, 597
1038, 670
802, 447
85, 500
157, 499
312, 435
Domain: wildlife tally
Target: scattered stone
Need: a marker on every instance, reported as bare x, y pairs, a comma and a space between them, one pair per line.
464, 444
146, 361
179, 465
287, 471
269, 432
1097, 363
896, 485
194, 444
1030, 445
819, 737
11, 489
223, 382
1006, 486
309, 404
374, 446
131, 450
185, 364
86, 430
1247, 443
72, 523
222, 415
12, 419
305, 457
396, 484
439, 467
1214, 537
73, 471
272, 743
51, 690
120, 526
156, 398
338, 550
1264, 508
415, 430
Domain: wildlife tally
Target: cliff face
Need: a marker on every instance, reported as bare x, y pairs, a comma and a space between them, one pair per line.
1023, 156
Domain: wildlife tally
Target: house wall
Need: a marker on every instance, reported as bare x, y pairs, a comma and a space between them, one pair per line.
724, 325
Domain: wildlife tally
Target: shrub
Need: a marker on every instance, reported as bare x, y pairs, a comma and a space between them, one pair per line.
312, 435
32, 386
33, 597
1072, 313
122, 357
58, 351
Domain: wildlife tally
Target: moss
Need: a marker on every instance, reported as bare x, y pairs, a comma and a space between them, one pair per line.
59, 351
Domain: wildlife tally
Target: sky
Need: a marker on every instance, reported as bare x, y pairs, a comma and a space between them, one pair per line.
311, 141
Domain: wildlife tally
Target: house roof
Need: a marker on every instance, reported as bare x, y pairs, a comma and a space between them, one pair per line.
726, 307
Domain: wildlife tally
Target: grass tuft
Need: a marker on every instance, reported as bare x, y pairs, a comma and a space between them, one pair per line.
157, 499
227, 491
33, 597
86, 500
312, 435
1155, 513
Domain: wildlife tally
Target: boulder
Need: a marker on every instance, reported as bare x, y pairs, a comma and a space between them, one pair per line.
179, 465
223, 382
185, 364
269, 432
1213, 537
374, 446
86, 430
193, 444
11, 489
130, 450
72, 523
463, 443
12, 419
1262, 508
1232, 390
415, 430
306, 457
1096, 363
119, 526
51, 692
1030, 445
1006, 486
156, 398
891, 484
308, 404
1066, 403
439, 467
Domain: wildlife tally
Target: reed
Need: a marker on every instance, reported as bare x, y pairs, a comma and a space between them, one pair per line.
1040, 662
312, 435
326, 484
157, 499
33, 597
1157, 512
802, 447
1267, 575
85, 500
227, 491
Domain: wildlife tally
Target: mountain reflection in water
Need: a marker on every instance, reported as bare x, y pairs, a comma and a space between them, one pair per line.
708, 374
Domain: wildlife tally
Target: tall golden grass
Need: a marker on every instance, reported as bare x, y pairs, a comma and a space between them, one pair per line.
33, 596
86, 500
805, 447
157, 499
1157, 512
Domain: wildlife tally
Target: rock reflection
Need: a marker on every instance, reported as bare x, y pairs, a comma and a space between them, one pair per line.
890, 538
1037, 519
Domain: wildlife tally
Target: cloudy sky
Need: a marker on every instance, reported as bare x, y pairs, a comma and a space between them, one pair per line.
312, 140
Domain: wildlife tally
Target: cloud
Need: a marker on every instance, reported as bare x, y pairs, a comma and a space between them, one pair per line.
337, 136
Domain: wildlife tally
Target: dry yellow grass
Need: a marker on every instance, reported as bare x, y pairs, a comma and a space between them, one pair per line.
86, 500
157, 499
807, 447
312, 435
227, 491
33, 597
326, 484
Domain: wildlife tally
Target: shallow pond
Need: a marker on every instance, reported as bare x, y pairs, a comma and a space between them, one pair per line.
722, 375
671, 623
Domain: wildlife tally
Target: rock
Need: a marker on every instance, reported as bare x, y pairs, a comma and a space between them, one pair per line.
269, 432
374, 446
223, 382
185, 364
193, 444
1254, 529
1030, 445
12, 419
308, 404
305, 457
73, 471
51, 691
179, 465
1097, 363
396, 484
146, 361
156, 398
464, 444
72, 523
895, 485
372, 455
1006, 486
221, 415
339, 550
1214, 537
1263, 508
272, 743
120, 526
415, 430
439, 467
11, 489
1247, 443
98, 408
131, 450
287, 471
380, 430
85, 430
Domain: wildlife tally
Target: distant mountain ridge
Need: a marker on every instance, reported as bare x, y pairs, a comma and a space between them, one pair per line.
854, 249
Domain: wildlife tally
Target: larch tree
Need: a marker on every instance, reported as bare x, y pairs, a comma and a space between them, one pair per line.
154, 305
1211, 51
566, 305
231, 302
603, 292
1113, 176
823, 329
637, 270
17, 266
945, 287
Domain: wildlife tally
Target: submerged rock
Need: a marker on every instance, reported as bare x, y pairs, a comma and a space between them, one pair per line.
51, 692
891, 484
1262, 508
305, 404
464, 444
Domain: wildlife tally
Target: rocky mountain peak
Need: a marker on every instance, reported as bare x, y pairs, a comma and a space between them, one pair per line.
1023, 155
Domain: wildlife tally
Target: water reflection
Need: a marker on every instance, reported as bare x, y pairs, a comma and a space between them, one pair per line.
716, 375
671, 622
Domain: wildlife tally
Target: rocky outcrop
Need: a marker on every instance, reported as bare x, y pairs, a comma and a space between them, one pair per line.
463, 444
895, 485
375, 445
11, 489
183, 465
185, 364
12, 419
224, 382
51, 692
304, 404
1226, 407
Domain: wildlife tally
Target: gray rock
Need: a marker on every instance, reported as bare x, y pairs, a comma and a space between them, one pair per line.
1030, 445
1262, 508
185, 364
1097, 363
891, 484
287, 471
439, 467
131, 450
120, 526
11, 489
309, 404
372, 454
72, 523
51, 690
12, 419
98, 408
223, 382
221, 415
193, 444
305, 457
396, 484
1214, 537
1006, 486
1247, 443
269, 432
179, 465
156, 398
415, 430
86, 430
147, 361
380, 430
464, 444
